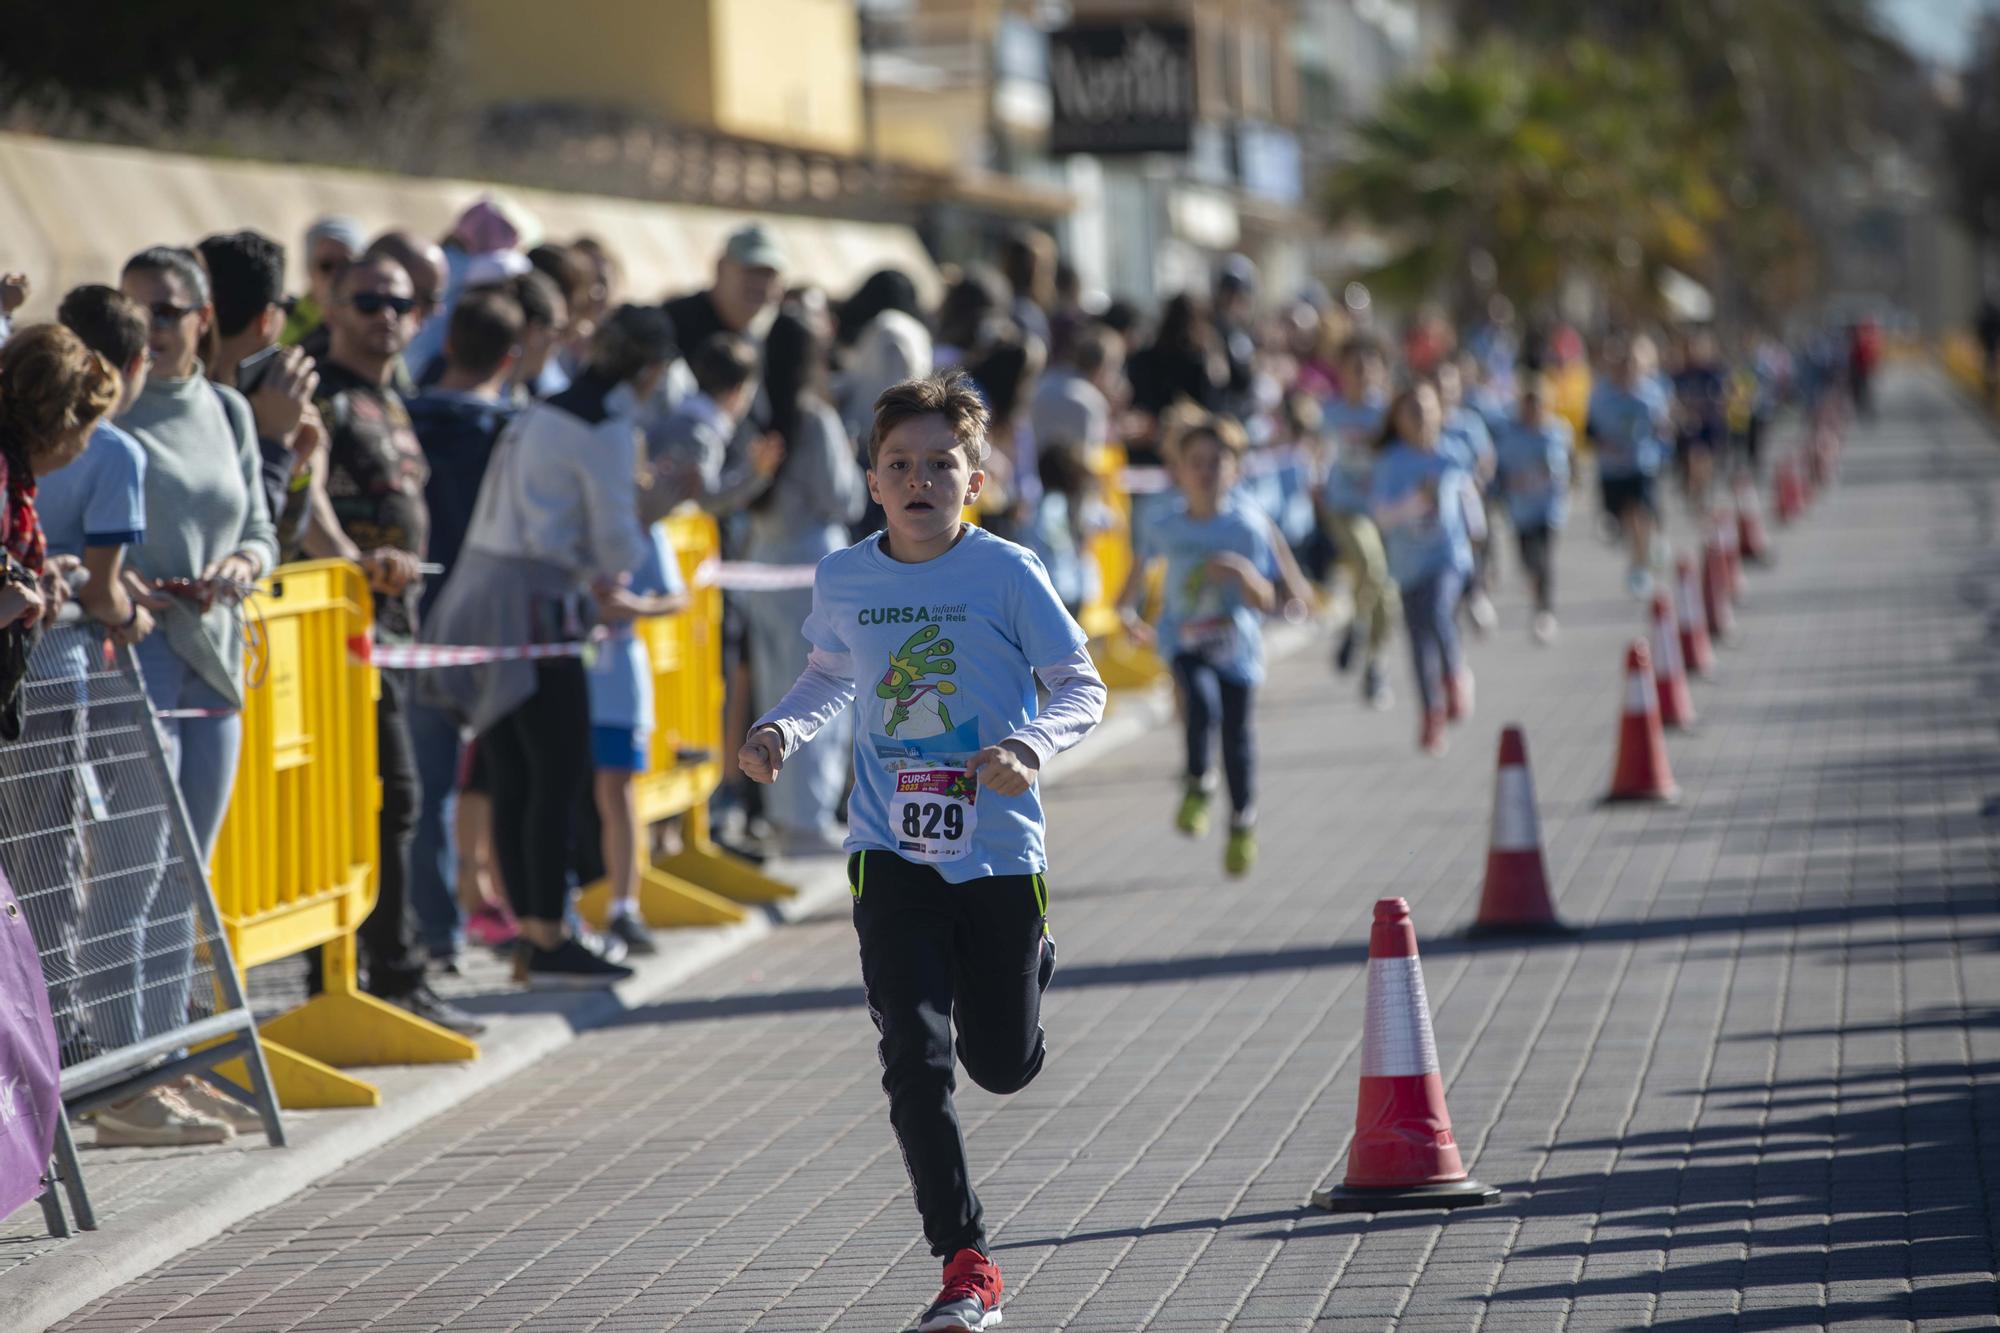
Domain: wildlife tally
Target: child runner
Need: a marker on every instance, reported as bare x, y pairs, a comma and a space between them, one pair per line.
951, 626
1221, 578
1421, 499
1354, 421
1629, 422
621, 731
1534, 475
1467, 436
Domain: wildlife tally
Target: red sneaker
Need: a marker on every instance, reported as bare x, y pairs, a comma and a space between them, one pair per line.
971, 1295
1431, 739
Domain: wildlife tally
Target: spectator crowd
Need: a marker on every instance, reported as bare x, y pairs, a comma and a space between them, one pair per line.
491, 427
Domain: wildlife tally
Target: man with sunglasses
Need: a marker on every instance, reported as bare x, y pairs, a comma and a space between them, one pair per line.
375, 475
330, 242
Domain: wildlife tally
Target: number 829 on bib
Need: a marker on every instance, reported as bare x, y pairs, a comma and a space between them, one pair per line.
933, 813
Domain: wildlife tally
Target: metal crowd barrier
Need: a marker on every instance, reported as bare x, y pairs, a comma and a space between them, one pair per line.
142, 982
295, 864
701, 885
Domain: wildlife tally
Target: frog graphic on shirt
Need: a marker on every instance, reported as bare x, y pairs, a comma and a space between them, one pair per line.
917, 699
1207, 628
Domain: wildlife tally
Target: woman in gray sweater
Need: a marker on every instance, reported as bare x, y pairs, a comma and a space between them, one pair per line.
208, 539
208, 534
798, 515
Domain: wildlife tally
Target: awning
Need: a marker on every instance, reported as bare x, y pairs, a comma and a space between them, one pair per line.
73, 213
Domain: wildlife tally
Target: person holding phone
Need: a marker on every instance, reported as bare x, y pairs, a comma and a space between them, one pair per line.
207, 527
247, 280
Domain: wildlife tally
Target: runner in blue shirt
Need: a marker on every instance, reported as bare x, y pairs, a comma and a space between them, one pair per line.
1420, 500
1534, 453
1221, 579
1353, 422
1630, 424
946, 628
1467, 436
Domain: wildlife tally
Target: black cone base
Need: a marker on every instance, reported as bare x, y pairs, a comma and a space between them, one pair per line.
1452, 1194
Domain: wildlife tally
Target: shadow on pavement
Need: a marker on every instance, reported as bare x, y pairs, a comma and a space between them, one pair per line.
1869, 1182
1903, 903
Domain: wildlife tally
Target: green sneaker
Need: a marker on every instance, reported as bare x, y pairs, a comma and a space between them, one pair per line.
1241, 853
1192, 817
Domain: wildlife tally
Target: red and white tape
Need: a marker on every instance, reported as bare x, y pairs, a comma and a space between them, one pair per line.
743, 576
429, 656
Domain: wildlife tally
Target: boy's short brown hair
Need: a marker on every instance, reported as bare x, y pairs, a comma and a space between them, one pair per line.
950, 394
1190, 423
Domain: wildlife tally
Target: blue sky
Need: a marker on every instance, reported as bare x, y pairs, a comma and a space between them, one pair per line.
1935, 29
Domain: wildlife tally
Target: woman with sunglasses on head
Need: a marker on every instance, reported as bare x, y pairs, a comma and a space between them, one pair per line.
208, 532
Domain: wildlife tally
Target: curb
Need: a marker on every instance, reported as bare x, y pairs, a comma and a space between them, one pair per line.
91, 1264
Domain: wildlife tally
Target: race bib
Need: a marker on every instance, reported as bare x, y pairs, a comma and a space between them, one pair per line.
1529, 480
1212, 638
933, 813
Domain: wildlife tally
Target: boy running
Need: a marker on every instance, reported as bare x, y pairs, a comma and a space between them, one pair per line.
1354, 420
1222, 576
951, 626
1534, 474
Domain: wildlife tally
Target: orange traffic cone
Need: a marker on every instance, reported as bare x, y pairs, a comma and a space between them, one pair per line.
1750, 521
1641, 772
1696, 655
1403, 1154
1676, 704
1715, 592
1732, 564
1516, 897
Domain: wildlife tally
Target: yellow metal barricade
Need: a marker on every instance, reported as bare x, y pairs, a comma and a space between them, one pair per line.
1572, 397
701, 885
1123, 663
1959, 352
295, 863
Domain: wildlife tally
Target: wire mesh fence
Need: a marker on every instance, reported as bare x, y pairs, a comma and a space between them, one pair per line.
95, 840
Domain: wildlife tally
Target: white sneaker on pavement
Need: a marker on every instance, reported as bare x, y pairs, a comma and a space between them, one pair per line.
158, 1119
202, 1099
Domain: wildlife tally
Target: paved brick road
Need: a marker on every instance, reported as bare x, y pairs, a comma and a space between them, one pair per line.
1758, 1092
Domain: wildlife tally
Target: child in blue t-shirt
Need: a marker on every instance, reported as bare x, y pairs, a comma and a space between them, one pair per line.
1630, 422
1534, 451
1354, 423
1421, 499
1221, 579
941, 630
621, 731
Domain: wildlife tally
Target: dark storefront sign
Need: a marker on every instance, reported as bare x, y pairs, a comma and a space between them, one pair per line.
1122, 88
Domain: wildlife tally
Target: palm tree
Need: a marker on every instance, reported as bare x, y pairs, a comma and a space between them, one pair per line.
1510, 170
